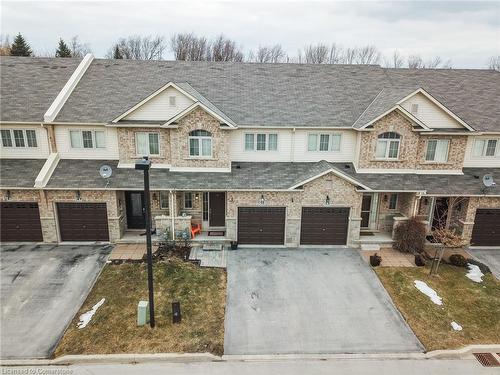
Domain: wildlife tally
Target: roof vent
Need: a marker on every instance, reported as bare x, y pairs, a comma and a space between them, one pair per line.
476, 177
237, 166
347, 166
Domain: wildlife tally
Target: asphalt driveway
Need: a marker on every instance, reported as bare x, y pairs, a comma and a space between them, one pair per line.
42, 288
490, 257
309, 301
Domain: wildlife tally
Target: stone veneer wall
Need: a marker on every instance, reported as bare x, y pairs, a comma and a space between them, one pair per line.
128, 151
341, 193
412, 148
199, 119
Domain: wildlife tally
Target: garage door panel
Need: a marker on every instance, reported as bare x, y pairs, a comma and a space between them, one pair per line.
83, 221
486, 231
20, 222
324, 225
261, 225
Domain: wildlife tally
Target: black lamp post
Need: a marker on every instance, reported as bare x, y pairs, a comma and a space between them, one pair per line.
144, 165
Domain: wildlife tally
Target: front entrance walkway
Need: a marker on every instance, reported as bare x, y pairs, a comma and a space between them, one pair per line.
309, 301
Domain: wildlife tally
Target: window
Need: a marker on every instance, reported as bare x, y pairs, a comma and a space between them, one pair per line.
486, 148
188, 199
200, 143
437, 150
393, 201
87, 138
324, 142
171, 101
414, 109
164, 200
19, 138
388, 146
261, 142
147, 143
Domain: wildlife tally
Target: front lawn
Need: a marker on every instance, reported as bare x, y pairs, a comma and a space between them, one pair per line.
113, 329
475, 306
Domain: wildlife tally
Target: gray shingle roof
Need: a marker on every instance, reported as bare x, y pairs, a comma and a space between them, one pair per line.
30, 85
19, 173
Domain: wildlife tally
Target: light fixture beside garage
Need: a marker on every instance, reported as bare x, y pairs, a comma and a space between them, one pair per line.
262, 200
327, 200
78, 195
7, 195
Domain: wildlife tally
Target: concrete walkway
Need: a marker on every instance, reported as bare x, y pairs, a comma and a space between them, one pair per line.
490, 257
309, 301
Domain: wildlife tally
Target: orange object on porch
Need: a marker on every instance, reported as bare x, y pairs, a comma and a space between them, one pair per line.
195, 229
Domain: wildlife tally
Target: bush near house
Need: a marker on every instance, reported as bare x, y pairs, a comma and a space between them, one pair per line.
409, 236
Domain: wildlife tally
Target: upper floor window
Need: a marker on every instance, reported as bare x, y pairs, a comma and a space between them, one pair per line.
261, 142
437, 150
19, 138
87, 138
486, 147
323, 142
388, 146
147, 143
200, 143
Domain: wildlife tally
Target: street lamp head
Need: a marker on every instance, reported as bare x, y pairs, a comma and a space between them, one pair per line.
144, 164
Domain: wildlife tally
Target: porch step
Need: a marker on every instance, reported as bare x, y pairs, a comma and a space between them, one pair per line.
370, 247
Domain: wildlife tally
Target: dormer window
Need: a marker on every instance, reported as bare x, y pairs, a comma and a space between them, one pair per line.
414, 109
388, 146
171, 101
200, 144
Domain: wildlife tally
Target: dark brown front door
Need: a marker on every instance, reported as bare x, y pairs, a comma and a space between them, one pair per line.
261, 225
324, 225
20, 221
486, 231
136, 213
217, 209
83, 221
365, 210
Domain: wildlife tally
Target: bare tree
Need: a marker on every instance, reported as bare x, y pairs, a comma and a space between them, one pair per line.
224, 49
316, 54
78, 49
350, 55
367, 55
396, 60
189, 47
139, 48
4, 45
268, 54
494, 63
415, 62
336, 54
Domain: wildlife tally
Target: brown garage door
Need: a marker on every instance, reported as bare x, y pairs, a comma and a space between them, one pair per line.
261, 225
486, 231
20, 221
83, 221
324, 225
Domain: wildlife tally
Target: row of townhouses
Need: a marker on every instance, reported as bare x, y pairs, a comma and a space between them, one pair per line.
265, 154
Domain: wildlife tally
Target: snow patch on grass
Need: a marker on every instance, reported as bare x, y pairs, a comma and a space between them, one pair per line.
86, 317
474, 273
429, 292
456, 326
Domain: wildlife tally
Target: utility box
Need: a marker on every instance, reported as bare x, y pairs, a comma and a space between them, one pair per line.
176, 312
142, 313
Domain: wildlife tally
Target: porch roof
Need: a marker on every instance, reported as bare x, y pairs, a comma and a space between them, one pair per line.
19, 173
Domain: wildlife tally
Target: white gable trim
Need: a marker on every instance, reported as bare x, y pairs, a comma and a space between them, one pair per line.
335, 172
68, 88
438, 103
404, 112
191, 108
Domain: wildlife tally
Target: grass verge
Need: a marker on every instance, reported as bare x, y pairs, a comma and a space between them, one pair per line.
113, 329
475, 306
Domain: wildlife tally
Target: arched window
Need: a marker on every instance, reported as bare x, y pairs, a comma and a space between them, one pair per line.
388, 146
200, 144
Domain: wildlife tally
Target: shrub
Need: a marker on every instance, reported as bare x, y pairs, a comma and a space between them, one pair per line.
409, 236
458, 260
375, 260
483, 267
419, 260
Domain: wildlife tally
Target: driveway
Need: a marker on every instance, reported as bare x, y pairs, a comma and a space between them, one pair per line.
42, 288
490, 257
309, 301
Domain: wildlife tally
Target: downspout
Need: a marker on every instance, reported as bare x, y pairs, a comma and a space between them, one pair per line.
292, 150
172, 214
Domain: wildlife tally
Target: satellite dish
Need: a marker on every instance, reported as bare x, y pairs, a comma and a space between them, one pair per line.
105, 171
488, 180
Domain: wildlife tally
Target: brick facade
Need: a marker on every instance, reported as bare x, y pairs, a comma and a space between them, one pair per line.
127, 145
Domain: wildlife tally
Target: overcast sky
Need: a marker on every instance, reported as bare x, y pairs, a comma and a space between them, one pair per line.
467, 33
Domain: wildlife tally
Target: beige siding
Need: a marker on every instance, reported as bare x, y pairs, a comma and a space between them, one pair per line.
430, 114
471, 161
40, 152
346, 153
159, 107
65, 150
237, 146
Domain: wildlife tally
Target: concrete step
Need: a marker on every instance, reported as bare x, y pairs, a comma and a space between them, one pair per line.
370, 247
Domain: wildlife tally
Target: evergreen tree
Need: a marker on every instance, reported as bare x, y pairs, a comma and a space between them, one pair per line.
63, 49
20, 47
117, 53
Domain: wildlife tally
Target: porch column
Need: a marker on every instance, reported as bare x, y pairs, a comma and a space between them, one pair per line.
173, 211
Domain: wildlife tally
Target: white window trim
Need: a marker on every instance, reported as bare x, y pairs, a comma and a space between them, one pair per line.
94, 145
200, 145
255, 142
437, 161
483, 154
330, 141
11, 130
386, 157
149, 148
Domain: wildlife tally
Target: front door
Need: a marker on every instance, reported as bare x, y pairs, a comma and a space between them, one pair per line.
217, 209
440, 213
136, 215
